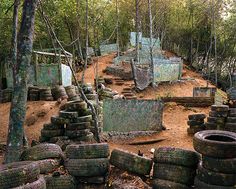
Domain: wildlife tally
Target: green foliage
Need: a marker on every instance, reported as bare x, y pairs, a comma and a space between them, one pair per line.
176, 23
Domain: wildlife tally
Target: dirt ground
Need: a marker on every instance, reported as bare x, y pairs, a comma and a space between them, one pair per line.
175, 117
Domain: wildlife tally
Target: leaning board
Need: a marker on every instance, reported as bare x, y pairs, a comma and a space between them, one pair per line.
132, 115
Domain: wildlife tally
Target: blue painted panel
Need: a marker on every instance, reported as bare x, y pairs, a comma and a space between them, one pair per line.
66, 75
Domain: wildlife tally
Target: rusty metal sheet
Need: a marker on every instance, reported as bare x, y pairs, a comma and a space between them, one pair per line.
132, 115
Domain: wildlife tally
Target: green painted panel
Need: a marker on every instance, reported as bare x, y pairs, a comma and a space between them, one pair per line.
9, 76
166, 71
132, 115
48, 75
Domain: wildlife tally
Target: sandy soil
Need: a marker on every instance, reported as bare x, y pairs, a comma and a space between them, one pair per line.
175, 117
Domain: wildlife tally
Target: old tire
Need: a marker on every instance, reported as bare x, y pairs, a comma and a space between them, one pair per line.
220, 108
193, 130
230, 127
215, 178
165, 184
197, 117
52, 133
193, 123
176, 156
218, 114
77, 133
38, 184
68, 115
92, 180
78, 126
42, 151
219, 144
87, 167
220, 120
87, 118
174, 173
60, 182
59, 120
17, 174
87, 151
227, 166
48, 165
231, 119
76, 105
201, 185
210, 126
51, 126
131, 162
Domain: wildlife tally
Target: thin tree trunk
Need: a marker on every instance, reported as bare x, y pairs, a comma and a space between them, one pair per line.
86, 45
215, 49
117, 29
18, 105
151, 42
78, 31
137, 30
14, 35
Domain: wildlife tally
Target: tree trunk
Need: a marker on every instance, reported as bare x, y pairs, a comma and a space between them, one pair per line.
78, 32
137, 30
117, 29
151, 42
18, 105
14, 35
86, 45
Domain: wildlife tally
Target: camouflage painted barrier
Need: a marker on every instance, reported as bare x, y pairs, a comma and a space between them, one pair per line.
107, 49
132, 115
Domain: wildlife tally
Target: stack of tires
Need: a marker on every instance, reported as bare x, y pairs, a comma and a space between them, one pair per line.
88, 163
196, 123
79, 121
131, 162
51, 130
6, 95
47, 156
217, 117
231, 121
174, 168
106, 93
33, 93
71, 93
21, 175
59, 92
218, 167
99, 111
45, 94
